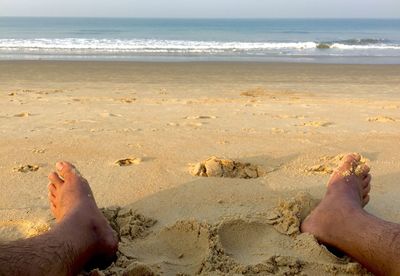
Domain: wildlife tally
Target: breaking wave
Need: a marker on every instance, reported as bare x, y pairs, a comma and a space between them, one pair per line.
132, 47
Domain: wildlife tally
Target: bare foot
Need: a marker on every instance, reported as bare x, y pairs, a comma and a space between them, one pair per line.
77, 215
347, 193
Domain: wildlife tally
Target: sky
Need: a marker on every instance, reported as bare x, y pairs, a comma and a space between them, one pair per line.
204, 8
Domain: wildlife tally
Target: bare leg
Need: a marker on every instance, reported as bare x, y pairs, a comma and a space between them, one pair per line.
340, 221
80, 234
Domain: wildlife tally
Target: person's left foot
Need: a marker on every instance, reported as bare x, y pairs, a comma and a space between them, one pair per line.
74, 208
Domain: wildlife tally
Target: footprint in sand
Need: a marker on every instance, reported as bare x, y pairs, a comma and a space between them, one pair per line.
159, 252
218, 167
252, 242
155, 253
26, 168
327, 164
381, 119
128, 161
267, 243
258, 248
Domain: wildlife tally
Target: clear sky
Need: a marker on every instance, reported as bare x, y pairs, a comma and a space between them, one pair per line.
204, 8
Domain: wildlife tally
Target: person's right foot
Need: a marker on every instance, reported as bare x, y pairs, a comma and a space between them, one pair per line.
347, 192
75, 210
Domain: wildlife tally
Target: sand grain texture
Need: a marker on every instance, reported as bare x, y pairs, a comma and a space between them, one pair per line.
280, 127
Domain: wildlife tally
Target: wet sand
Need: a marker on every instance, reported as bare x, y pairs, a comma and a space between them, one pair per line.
192, 161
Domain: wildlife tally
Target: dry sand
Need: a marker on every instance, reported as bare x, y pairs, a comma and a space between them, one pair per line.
266, 135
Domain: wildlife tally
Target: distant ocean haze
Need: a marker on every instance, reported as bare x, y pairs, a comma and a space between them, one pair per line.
203, 39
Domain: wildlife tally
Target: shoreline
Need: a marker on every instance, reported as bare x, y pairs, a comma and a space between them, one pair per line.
319, 60
367, 80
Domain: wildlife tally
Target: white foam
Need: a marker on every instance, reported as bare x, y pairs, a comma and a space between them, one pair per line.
118, 46
365, 47
138, 45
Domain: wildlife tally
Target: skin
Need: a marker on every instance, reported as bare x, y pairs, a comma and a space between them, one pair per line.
340, 221
80, 235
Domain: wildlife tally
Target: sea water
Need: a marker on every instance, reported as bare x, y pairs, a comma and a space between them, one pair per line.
294, 40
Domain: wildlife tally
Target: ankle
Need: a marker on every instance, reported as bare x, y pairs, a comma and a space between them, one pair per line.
330, 225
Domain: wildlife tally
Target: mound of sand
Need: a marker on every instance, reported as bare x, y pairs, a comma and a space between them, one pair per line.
381, 119
288, 215
327, 165
23, 114
218, 167
127, 223
128, 162
317, 124
26, 168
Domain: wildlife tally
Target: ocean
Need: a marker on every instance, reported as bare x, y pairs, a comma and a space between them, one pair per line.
271, 40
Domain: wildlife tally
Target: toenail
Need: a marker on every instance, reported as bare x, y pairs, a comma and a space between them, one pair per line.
356, 155
59, 166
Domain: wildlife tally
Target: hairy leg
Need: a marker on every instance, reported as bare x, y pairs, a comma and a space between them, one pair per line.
80, 234
340, 221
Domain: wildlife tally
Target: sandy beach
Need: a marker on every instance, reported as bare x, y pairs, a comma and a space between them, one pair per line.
143, 135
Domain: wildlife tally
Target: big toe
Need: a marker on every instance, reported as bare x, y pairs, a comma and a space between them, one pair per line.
66, 170
349, 163
351, 160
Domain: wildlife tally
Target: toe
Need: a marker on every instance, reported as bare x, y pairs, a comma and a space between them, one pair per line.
363, 170
65, 169
350, 158
350, 162
367, 180
367, 189
53, 209
55, 179
366, 200
52, 189
52, 198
